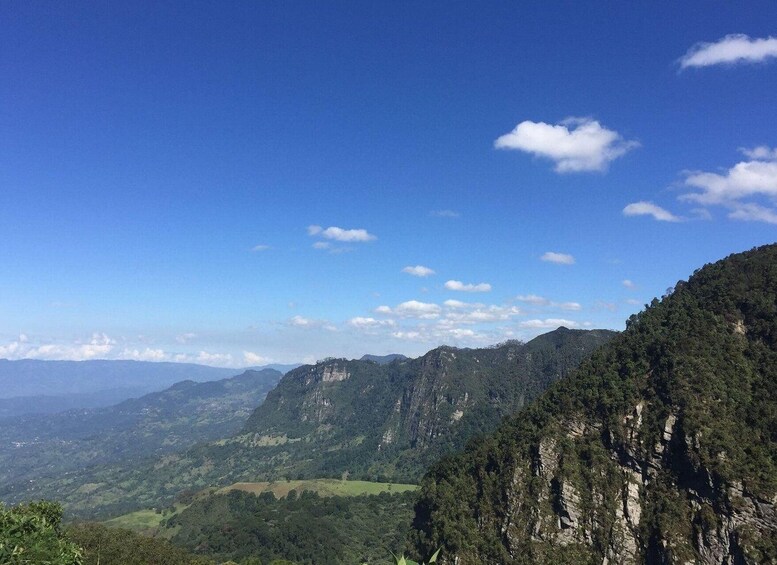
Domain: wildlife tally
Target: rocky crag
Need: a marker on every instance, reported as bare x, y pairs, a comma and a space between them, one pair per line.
662, 448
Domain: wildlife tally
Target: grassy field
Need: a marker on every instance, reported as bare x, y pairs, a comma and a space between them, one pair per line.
324, 487
139, 521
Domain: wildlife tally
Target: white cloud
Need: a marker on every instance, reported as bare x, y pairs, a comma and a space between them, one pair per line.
418, 271
186, 337
644, 208
760, 153
737, 188
536, 300
260, 247
628, 283
383, 310
732, 49
302, 322
575, 145
745, 179
548, 323
409, 335
459, 333
416, 309
98, 347
445, 214
253, 359
481, 314
457, 304
146, 354
340, 234
461, 287
218, 359
533, 299
558, 258
360, 322
751, 212
322, 245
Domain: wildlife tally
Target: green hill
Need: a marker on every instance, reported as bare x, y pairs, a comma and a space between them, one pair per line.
339, 418
661, 448
37, 449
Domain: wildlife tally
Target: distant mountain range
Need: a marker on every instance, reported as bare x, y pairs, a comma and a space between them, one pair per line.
343, 418
30, 386
55, 445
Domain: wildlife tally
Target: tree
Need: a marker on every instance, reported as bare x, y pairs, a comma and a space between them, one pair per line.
31, 534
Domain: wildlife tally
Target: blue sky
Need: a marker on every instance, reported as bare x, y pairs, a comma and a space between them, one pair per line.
237, 183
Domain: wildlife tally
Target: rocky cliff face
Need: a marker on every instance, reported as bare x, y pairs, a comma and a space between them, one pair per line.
365, 415
661, 449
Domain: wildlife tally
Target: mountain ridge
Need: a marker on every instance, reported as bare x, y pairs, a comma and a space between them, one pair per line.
660, 448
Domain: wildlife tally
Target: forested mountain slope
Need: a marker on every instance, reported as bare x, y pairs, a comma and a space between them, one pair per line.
394, 420
661, 448
346, 418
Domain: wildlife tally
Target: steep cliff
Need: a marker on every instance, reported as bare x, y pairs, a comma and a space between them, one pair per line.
393, 420
661, 448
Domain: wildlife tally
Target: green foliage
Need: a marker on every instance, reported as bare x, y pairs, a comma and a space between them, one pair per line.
109, 546
706, 355
308, 529
30, 534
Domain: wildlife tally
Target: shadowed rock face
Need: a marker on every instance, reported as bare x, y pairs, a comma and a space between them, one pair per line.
660, 449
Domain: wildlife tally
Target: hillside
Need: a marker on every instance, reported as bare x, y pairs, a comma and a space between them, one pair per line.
393, 420
35, 447
345, 418
661, 448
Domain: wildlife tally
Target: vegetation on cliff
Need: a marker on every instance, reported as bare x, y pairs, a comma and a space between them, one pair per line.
661, 447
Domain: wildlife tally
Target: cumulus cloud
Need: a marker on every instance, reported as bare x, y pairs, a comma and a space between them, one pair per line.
628, 283
739, 188
481, 314
462, 287
548, 323
342, 235
416, 309
761, 153
217, 359
558, 258
418, 271
253, 359
260, 247
644, 208
363, 323
147, 354
99, 346
751, 212
730, 50
457, 304
570, 306
575, 145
